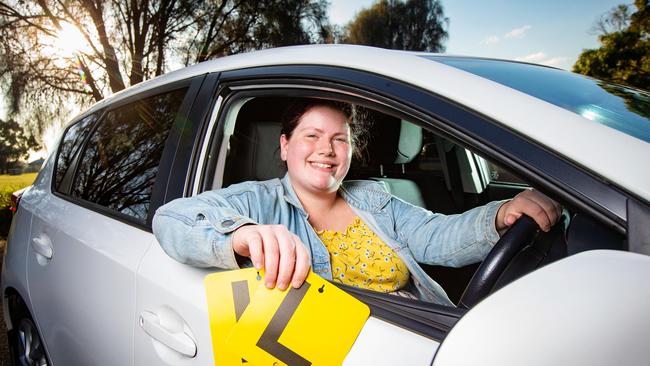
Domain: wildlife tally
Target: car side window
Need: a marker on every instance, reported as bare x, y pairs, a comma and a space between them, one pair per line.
69, 148
119, 165
502, 175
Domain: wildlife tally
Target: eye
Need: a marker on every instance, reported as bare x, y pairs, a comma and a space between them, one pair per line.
311, 135
341, 139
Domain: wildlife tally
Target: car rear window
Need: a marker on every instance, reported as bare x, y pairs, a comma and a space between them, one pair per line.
619, 107
119, 165
68, 150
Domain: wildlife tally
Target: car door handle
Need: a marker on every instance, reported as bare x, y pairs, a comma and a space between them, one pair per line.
178, 340
43, 246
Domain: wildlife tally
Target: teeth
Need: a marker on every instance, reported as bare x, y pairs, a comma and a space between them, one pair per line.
321, 165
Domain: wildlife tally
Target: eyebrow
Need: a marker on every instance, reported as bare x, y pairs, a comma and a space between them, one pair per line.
321, 130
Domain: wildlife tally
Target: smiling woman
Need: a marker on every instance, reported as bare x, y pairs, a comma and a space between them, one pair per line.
285, 226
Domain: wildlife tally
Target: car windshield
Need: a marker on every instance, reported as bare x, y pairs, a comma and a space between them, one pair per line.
616, 106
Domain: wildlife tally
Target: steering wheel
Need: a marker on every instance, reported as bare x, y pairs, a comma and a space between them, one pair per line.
520, 234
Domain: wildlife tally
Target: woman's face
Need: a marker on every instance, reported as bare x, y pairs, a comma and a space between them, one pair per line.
319, 152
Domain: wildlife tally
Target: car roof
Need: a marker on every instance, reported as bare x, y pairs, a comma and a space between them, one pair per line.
609, 153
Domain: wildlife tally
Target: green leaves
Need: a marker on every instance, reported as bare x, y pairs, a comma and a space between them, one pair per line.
624, 55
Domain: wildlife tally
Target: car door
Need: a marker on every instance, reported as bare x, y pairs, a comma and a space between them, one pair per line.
90, 236
171, 297
83, 295
172, 324
398, 330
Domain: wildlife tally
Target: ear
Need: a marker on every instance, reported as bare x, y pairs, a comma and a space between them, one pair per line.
284, 141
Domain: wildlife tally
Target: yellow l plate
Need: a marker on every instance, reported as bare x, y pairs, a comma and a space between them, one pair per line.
313, 325
228, 295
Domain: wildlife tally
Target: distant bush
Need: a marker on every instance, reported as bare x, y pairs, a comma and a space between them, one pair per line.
8, 185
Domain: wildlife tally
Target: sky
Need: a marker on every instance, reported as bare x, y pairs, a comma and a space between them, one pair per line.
549, 32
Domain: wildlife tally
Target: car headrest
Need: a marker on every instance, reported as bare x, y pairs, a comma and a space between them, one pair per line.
393, 141
254, 152
410, 142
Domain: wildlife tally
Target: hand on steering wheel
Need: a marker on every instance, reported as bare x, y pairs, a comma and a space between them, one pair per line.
543, 210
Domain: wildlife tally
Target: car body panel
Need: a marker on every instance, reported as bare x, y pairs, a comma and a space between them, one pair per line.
582, 310
383, 344
14, 271
94, 272
108, 277
176, 292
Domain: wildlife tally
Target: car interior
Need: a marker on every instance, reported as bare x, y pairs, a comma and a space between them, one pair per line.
416, 165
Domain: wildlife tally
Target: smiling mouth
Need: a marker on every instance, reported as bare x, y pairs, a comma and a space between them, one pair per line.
321, 165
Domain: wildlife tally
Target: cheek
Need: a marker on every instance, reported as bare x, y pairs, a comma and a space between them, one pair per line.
344, 150
296, 151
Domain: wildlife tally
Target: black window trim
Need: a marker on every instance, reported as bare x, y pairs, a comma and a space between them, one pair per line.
537, 165
192, 84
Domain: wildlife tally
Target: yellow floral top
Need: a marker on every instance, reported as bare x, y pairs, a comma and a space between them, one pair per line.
360, 258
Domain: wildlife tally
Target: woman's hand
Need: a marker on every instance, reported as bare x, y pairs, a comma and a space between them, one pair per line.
540, 208
272, 247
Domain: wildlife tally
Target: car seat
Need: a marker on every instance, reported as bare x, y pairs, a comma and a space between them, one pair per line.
394, 143
254, 152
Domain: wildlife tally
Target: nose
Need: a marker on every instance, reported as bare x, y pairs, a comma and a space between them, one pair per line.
325, 147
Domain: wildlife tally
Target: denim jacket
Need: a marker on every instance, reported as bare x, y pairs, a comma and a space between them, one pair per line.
197, 230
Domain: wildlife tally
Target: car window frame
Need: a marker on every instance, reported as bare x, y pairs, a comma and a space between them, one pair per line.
457, 123
71, 171
192, 84
378, 91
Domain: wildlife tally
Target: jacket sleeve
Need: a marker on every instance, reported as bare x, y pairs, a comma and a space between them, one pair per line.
197, 230
448, 240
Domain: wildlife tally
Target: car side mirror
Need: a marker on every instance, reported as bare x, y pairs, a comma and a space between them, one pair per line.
587, 309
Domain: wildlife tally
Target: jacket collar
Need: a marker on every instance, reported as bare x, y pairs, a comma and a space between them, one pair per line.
290, 195
364, 195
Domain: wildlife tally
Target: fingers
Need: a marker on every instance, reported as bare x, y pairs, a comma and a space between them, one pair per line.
282, 255
271, 256
256, 251
538, 206
303, 263
537, 212
287, 258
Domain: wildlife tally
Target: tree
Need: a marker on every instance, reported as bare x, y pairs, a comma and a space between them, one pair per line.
14, 145
416, 25
229, 27
624, 54
53, 52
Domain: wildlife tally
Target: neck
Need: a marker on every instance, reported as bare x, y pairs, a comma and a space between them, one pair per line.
314, 202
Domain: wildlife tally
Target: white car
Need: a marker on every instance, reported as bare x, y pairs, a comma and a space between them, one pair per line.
86, 283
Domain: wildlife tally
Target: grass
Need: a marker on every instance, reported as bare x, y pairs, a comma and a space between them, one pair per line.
12, 183
22, 180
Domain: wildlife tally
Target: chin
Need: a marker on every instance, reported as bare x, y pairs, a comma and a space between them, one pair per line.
327, 187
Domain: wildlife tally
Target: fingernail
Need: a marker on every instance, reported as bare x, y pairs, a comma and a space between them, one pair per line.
296, 284
282, 286
269, 284
258, 265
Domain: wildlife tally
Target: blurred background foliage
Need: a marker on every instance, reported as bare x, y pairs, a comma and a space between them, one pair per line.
624, 54
58, 56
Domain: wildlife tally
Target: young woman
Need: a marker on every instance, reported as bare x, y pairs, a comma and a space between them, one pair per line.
351, 232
